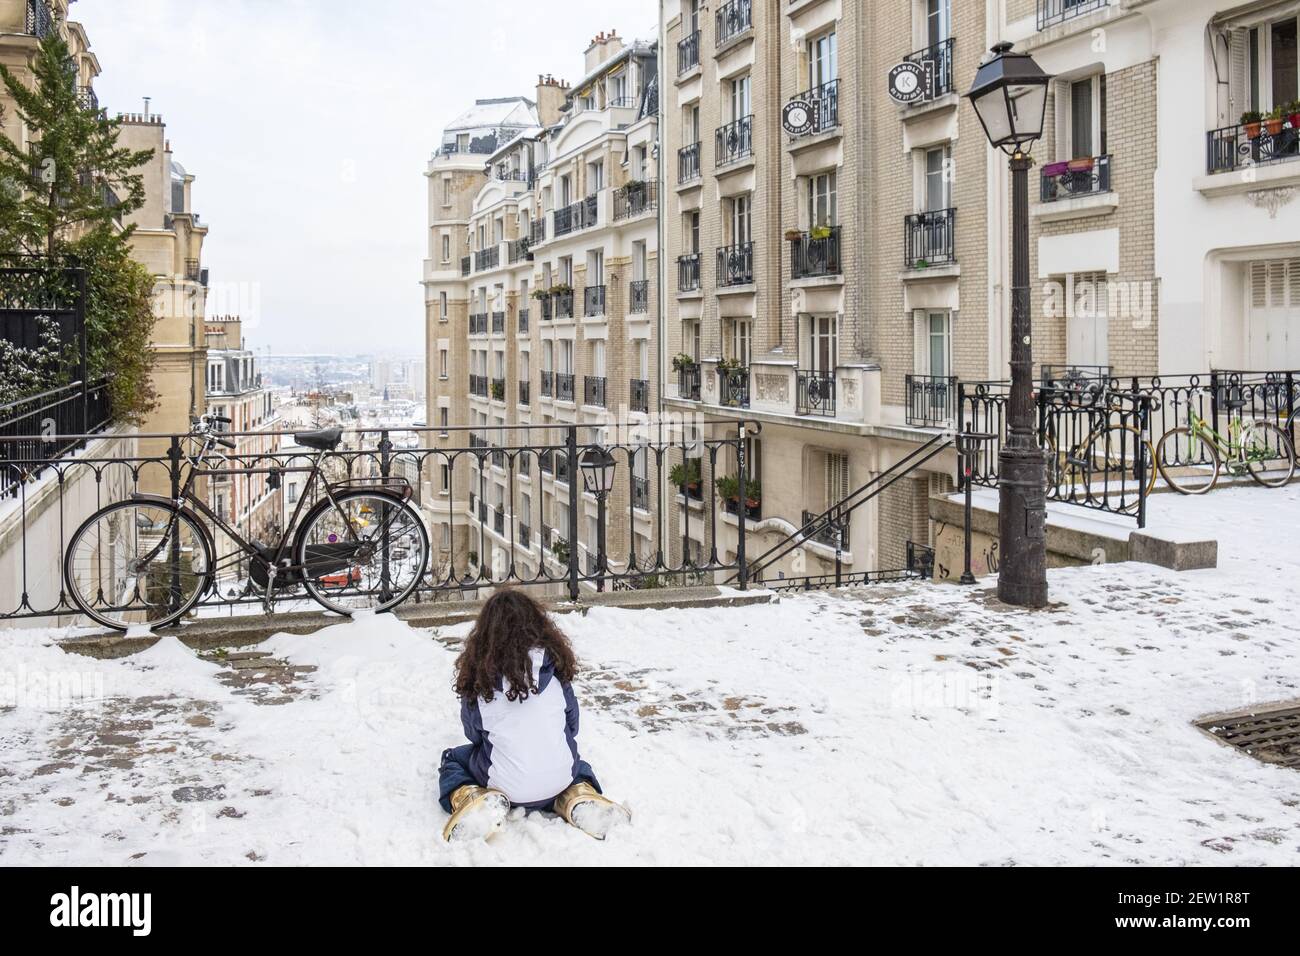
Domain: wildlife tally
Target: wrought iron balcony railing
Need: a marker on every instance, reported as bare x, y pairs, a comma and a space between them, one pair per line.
497, 389
815, 393
488, 258
732, 19
736, 264
544, 303
499, 520
579, 215
547, 386
733, 386
928, 238
192, 270
1252, 144
478, 385
816, 254
523, 394
537, 231
688, 382
688, 163
478, 323
688, 272
734, 141
826, 532
931, 399
525, 535
40, 20
638, 395
563, 302
517, 250
523, 321
498, 322
1077, 177
638, 296
825, 103
564, 386
86, 98
634, 199
593, 300
688, 53
1052, 12
640, 492
939, 60
465, 262
593, 390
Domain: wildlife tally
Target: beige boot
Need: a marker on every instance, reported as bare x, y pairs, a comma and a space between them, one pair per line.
476, 813
583, 807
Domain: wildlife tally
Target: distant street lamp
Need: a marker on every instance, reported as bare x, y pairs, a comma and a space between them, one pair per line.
1010, 96
597, 466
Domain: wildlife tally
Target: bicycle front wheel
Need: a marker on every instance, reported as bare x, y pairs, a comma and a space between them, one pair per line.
1187, 461
368, 553
1268, 454
137, 562
1114, 457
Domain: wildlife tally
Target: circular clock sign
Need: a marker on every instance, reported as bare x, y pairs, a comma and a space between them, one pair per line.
797, 117
907, 82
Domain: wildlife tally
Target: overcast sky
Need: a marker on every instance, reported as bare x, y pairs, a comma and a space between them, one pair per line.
308, 125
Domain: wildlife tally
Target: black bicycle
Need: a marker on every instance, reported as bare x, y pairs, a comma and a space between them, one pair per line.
149, 559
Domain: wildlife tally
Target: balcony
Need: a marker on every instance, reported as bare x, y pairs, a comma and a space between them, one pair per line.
564, 386
733, 386
640, 493
563, 304
688, 272
537, 231
731, 20
546, 306
525, 535
688, 382
1253, 144
40, 21
86, 98
547, 386
928, 238
1052, 12
815, 393
593, 300
816, 253
638, 395
488, 258
736, 264
688, 164
523, 321
826, 533
192, 271
634, 199
499, 520
478, 385
1075, 178
733, 142
825, 103
478, 323
593, 390
638, 296
523, 398
579, 215
688, 53
465, 262
498, 323
937, 61
931, 400
517, 250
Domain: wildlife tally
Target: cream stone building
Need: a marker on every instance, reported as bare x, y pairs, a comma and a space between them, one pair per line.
541, 300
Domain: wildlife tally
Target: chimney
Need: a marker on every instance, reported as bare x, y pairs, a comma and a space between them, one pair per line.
551, 94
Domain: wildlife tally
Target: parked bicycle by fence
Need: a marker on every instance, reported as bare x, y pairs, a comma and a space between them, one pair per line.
1097, 446
149, 559
1191, 457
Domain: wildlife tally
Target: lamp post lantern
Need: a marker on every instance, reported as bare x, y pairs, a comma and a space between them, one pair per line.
597, 466
1010, 96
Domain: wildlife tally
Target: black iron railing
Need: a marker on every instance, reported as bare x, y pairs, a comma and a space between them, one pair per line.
547, 383
86, 98
517, 250
498, 322
929, 238
593, 300
634, 199
733, 386
1052, 12
1253, 144
688, 382
78, 408
931, 399
638, 296
478, 323
564, 386
734, 141
523, 393
825, 531
544, 303
537, 231
1077, 177
688, 272
639, 395
732, 19
465, 263
593, 390
825, 103
40, 20
497, 389
478, 385
816, 253
736, 264
688, 163
579, 215
192, 271
563, 302
523, 322
815, 393
937, 60
640, 493
488, 258
688, 53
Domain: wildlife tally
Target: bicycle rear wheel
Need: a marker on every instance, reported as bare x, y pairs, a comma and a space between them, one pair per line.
1188, 462
1268, 454
1113, 454
369, 553
137, 562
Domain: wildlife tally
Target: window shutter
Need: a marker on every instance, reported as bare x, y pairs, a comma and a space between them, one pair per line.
1238, 78
920, 343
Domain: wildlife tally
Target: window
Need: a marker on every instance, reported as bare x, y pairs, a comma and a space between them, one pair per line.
595, 177
442, 419
642, 358
822, 351
638, 260
691, 124
821, 200
739, 218
446, 247
442, 363
1086, 319
741, 336
442, 307
566, 190
639, 162
836, 487
446, 190
1085, 128
445, 472
938, 21
596, 267
566, 356
691, 335
1272, 64
937, 175
740, 107
598, 358
823, 62
933, 337
692, 230
548, 356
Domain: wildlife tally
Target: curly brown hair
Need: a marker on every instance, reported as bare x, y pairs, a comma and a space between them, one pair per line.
509, 626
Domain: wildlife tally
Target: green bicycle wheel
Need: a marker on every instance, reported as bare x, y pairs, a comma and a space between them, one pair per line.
1267, 453
1187, 461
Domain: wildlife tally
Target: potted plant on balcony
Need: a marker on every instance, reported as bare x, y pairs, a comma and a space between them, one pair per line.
686, 475
498, 391
820, 232
1273, 121
560, 549
561, 288
539, 294
793, 235
681, 360
1292, 111
1251, 122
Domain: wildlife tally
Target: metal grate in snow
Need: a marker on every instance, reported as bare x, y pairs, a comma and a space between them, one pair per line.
1270, 734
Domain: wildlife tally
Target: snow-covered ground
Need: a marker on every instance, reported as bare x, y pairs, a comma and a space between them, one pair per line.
897, 725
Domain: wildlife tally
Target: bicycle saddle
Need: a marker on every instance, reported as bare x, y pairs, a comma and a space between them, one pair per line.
326, 439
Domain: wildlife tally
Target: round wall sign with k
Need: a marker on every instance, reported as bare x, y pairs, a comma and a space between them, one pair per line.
797, 117
908, 82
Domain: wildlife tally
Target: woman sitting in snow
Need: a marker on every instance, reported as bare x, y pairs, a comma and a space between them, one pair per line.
514, 680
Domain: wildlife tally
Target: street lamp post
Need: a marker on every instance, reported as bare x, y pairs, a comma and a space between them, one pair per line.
1010, 96
597, 466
